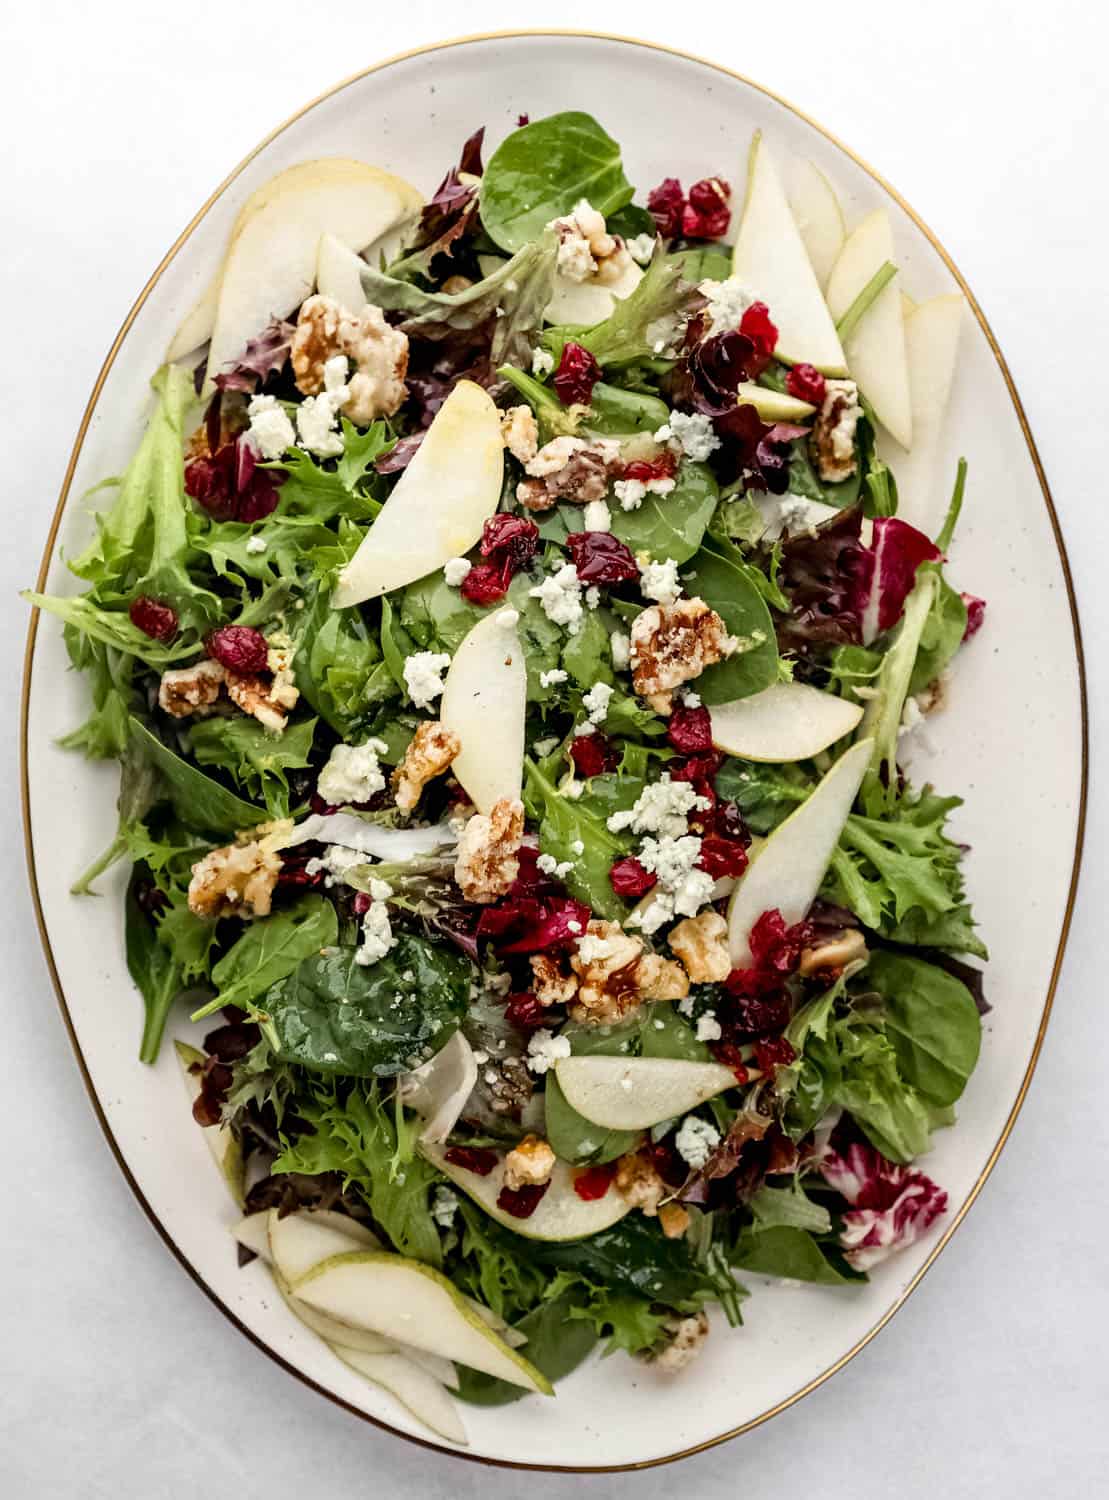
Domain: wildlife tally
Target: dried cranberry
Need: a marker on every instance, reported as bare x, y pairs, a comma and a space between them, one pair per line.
646, 471
776, 946
471, 1159
722, 858
731, 1057
530, 879
318, 805
665, 204
756, 326
522, 120
521, 1202
594, 1182
485, 583
361, 904
510, 538
239, 648
755, 1013
806, 383
578, 372
153, 617
706, 215
294, 867
530, 924
601, 557
524, 1010
976, 613
630, 879
772, 1053
592, 754
690, 731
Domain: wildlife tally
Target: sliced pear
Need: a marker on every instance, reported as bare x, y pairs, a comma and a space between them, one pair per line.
785, 722
931, 345
484, 701
819, 217
560, 1213
415, 1388
876, 349
271, 264
411, 1302
226, 1151
302, 1240
634, 1093
785, 873
439, 504
804, 514
770, 258
587, 302
512, 1336
773, 406
253, 1233
196, 326
439, 1088
339, 272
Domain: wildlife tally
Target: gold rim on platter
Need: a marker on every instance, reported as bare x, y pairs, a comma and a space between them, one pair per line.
32, 632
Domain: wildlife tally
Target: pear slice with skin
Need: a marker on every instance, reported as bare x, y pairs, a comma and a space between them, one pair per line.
253, 1233
440, 503
271, 263
770, 258
339, 272
415, 1388
512, 1336
585, 303
220, 1140
559, 1215
634, 1093
485, 702
439, 1088
819, 217
786, 872
931, 345
300, 1241
876, 347
411, 1302
787, 721
772, 406
343, 1336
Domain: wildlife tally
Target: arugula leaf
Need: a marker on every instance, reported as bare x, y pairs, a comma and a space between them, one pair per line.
634, 1258
793, 1254
542, 170
636, 323
495, 1266
112, 627
188, 938
788, 1207
576, 1139
932, 1021
269, 950
198, 801
335, 1015
103, 735
741, 606
257, 760
152, 968
138, 791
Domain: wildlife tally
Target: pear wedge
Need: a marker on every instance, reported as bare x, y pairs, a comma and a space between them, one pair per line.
414, 1387
440, 503
271, 263
408, 1301
770, 258
439, 1088
787, 721
226, 1150
300, 1241
196, 326
584, 303
253, 1233
931, 346
819, 217
339, 272
485, 701
785, 873
560, 1213
772, 406
876, 348
634, 1093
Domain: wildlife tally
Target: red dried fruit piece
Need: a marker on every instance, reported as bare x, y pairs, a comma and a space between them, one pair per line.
806, 383
524, 1010
773, 1053
229, 485
592, 754
485, 583
690, 731
707, 214
601, 557
645, 471
594, 1182
154, 618
510, 538
665, 204
361, 904
522, 1202
529, 924
774, 945
722, 858
239, 648
471, 1159
976, 613
629, 879
728, 822
578, 372
215, 1085
732, 1057
755, 325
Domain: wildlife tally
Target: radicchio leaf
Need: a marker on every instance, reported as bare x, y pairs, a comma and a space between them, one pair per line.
887, 573
891, 1205
263, 356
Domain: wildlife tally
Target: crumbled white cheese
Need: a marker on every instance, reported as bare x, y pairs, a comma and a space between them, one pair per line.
352, 774
456, 570
335, 375
444, 1206
593, 948
560, 596
574, 927
316, 419
552, 678
682, 888
911, 717
641, 247
621, 650
542, 363
577, 847
596, 702
659, 580
255, 545
592, 596
691, 699
507, 619
381, 890
630, 493
708, 1028
597, 516
551, 866
271, 433
693, 433
662, 808
696, 1140
334, 862
423, 676
728, 301
543, 748
377, 935
545, 1049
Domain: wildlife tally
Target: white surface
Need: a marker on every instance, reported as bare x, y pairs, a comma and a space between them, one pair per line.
993, 1374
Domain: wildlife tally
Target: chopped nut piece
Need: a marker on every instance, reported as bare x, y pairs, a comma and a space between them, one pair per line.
833, 434
487, 864
586, 249
430, 751
834, 953
237, 881
191, 690
701, 944
569, 468
520, 432
639, 1183
529, 1164
551, 984
268, 702
673, 1220
661, 978
378, 353
615, 976
672, 644
686, 1336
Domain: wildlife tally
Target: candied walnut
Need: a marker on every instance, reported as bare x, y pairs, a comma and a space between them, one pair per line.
639, 1183
569, 468
237, 881
551, 984
833, 954
833, 435
673, 1220
672, 644
192, 690
520, 432
585, 247
701, 943
487, 864
661, 978
267, 701
429, 753
685, 1338
529, 1164
615, 975
378, 355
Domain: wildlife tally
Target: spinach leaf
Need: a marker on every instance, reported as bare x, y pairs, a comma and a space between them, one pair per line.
198, 801
670, 525
564, 824
614, 412
706, 262
804, 480
152, 967
932, 1021
665, 1033
339, 667
630, 221
576, 1139
636, 1259
257, 760
138, 791
941, 637
557, 1343
793, 1254
587, 656
740, 605
789, 1207
270, 949
542, 170
336, 1015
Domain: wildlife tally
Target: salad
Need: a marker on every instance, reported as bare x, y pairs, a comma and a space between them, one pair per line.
510, 628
